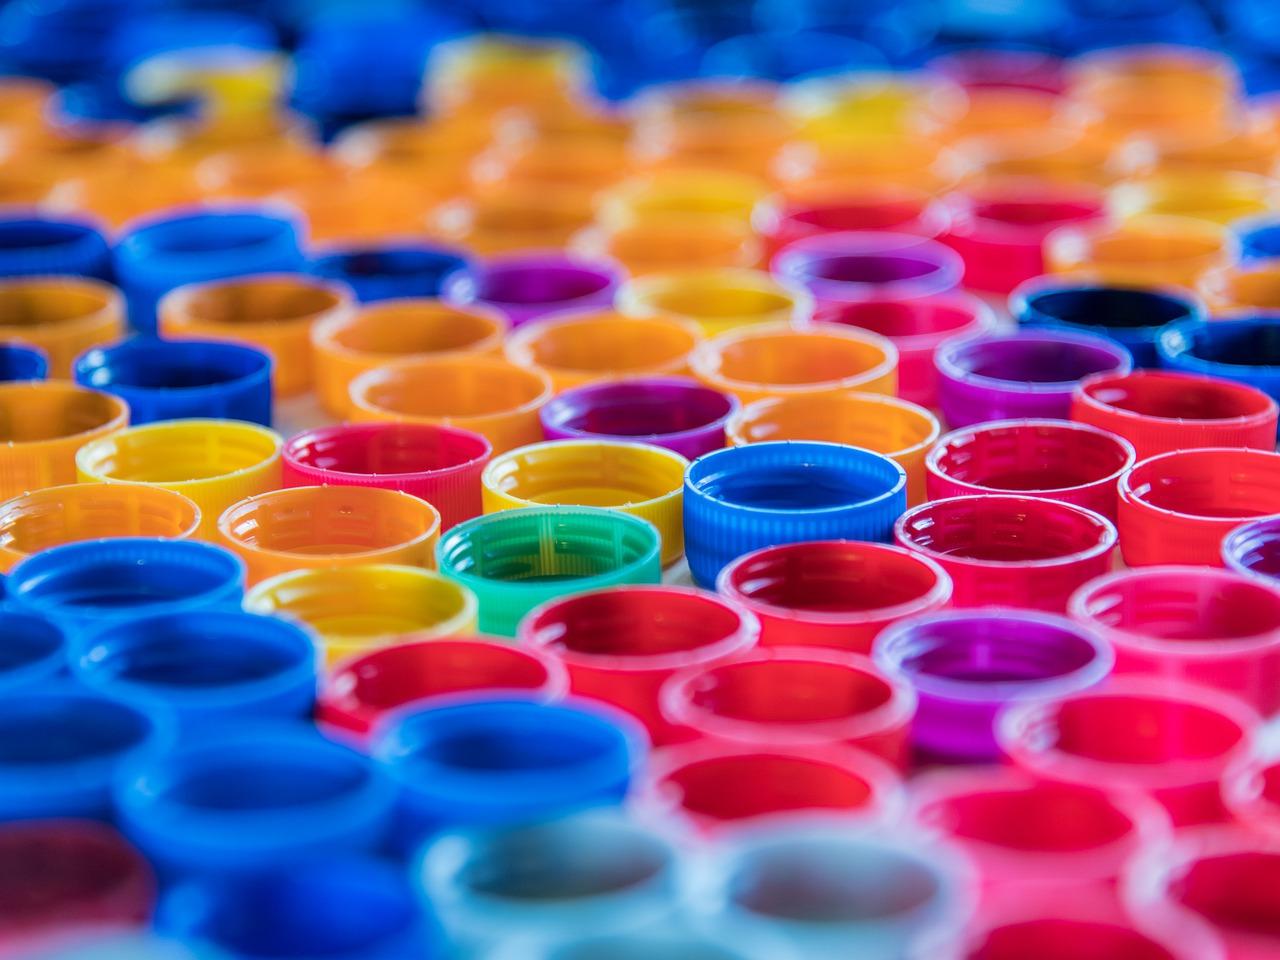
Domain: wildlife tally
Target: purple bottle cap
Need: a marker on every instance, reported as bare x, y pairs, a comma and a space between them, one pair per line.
858, 265
526, 286
1026, 375
672, 412
967, 665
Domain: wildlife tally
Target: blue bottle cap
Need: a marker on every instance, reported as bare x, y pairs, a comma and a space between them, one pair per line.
33, 650
180, 379
740, 499
338, 908
1246, 350
1259, 237
390, 271
81, 585
1131, 316
594, 871
790, 55
39, 246
189, 246
203, 665
253, 796
61, 746
482, 760
22, 363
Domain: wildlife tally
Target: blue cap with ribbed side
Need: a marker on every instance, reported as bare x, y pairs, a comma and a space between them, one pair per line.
33, 649
32, 246
189, 246
180, 379
743, 498
1246, 350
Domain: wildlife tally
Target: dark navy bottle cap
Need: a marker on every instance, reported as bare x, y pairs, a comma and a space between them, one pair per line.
18, 362
391, 271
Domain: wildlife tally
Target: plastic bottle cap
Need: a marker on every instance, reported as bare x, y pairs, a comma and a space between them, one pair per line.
1162, 411
65, 875
1009, 550
710, 786
310, 527
517, 559
1021, 832
1131, 316
901, 431
273, 313
1251, 549
397, 604
439, 464
22, 363
998, 227
513, 218
825, 208
1240, 350
526, 287
586, 346
916, 326
547, 877
389, 271
674, 413
35, 245
716, 299
65, 744
1216, 196
662, 242
1251, 789
744, 498
352, 909
621, 644
43, 424
833, 593
349, 345
63, 316
966, 667
1213, 627
683, 190
364, 688
525, 761
1167, 739
1143, 251
634, 478
175, 379
91, 511
793, 696
775, 360
1031, 373
214, 462
1176, 507
1056, 931
493, 397
1259, 237
839, 267
1046, 459
35, 650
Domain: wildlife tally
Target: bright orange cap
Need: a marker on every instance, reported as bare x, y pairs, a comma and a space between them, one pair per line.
493, 397
63, 316
390, 330
42, 426
717, 300
1145, 250
513, 217
1220, 196
275, 313
655, 242
1245, 288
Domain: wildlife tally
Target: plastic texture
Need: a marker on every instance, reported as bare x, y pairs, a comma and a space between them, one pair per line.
898, 429
43, 424
317, 527
526, 287
1247, 351
517, 559
1031, 373
495, 398
744, 498
22, 363
35, 650
33, 245
365, 688
781, 361
1178, 506
389, 271
620, 645
439, 464
397, 604
634, 478
1159, 411
213, 462
833, 593
1147, 250
1046, 459
178, 379
83, 585
716, 299
63, 316
916, 326
966, 667
675, 413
